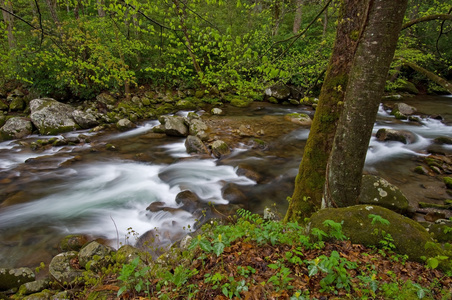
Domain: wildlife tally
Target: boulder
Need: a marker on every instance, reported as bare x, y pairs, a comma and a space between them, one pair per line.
3, 105
216, 111
189, 200
361, 225
94, 256
406, 87
84, 119
125, 124
73, 242
233, 194
194, 144
186, 104
297, 118
17, 104
16, 128
106, 99
443, 140
14, 278
198, 128
52, 117
174, 125
376, 190
240, 101
127, 253
279, 92
34, 287
63, 267
220, 148
402, 110
403, 136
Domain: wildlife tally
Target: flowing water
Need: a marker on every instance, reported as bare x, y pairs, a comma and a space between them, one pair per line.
47, 194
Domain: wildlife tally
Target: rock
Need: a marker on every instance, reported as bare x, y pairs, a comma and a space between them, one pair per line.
189, 200
377, 191
406, 87
34, 287
85, 119
433, 216
220, 148
279, 92
297, 118
245, 131
233, 194
403, 136
14, 278
448, 182
186, 104
52, 117
174, 125
409, 236
154, 242
62, 267
441, 232
16, 128
403, 108
3, 105
198, 128
242, 102
443, 140
94, 256
106, 99
194, 144
421, 170
244, 170
125, 124
73, 242
216, 111
17, 104
127, 253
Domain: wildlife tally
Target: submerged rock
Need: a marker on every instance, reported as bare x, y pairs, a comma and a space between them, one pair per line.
378, 191
220, 148
52, 117
194, 144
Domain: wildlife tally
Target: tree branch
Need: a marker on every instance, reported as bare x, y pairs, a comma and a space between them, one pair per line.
426, 19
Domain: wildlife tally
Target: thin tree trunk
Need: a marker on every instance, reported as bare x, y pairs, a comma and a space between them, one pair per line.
364, 90
9, 21
100, 8
298, 16
309, 183
182, 16
325, 23
51, 5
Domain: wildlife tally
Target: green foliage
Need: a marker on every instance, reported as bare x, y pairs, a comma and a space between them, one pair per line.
133, 277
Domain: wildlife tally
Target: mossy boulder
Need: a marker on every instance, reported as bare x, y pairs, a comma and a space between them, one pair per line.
361, 227
441, 232
406, 87
94, 256
298, 118
186, 104
13, 278
62, 268
279, 92
376, 190
194, 144
448, 182
52, 117
220, 148
403, 136
73, 242
15, 128
443, 140
239, 101
17, 104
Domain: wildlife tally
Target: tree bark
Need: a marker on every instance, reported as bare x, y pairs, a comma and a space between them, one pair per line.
307, 195
430, 75
51, 5
298, 16
100, 8
364, 90
9, 21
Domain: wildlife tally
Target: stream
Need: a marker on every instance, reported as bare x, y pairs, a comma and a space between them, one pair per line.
103, 192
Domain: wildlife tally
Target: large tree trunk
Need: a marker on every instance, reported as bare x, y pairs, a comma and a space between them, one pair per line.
364, 91
9, 21
307, 196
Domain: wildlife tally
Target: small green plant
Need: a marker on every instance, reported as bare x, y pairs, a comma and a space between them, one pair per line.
133, 277
234, 288
281, 279
378, 219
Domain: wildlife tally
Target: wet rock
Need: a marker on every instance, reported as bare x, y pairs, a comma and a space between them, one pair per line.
409, 236
297, 118
441, 232
189, 200
239, 101
14, 278
174, 125
127, 253
194, 144
233, 194
216, 111
220, 148
3, 106
198, 128
16, 128
433, 216
421, 170
247, 171
245, 131
404, 86
73, 242
279, 92
84, 119
52, 117
443, 140
154, 242
403, 136
63, 267
94, 256
402, 110
377, 191
186, 104
156, 206
125, 124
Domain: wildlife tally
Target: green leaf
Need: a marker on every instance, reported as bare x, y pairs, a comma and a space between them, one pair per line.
218, 248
